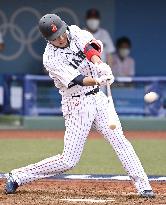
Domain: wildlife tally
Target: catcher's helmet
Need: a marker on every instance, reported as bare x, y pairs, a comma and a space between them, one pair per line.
51, 26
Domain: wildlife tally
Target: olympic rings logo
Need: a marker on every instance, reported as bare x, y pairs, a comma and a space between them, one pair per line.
23, 38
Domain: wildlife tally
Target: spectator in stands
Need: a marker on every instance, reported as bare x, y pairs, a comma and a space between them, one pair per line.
93, 20
1, 93
2, 45
123, 64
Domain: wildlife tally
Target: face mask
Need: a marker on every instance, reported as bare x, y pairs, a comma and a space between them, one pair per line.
124, 52
93, 24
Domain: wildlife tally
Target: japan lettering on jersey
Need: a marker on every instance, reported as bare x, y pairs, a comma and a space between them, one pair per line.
64, 64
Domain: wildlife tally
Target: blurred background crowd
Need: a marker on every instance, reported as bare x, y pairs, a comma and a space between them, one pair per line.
133, 36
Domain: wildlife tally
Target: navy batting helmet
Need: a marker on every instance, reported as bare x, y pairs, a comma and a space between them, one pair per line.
51, 26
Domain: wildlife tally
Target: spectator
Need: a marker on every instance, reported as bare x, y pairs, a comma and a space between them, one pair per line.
93, 25
1, 90
2, 45
123, 64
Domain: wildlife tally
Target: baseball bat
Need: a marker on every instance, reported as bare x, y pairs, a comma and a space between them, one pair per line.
111, 121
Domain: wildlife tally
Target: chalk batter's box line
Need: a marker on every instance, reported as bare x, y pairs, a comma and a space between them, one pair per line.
105, 177
98, 177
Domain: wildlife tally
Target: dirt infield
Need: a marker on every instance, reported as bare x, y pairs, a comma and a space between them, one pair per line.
68, 192
71, 192
60, 134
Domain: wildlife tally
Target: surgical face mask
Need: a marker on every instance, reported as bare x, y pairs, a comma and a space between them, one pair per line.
124, 52
93, 24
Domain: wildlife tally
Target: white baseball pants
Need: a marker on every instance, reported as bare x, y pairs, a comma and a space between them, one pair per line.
81, 113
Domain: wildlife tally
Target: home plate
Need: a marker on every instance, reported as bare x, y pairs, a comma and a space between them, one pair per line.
88, 200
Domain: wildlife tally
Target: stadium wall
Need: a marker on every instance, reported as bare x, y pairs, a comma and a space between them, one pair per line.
143, 21
128, 123
57, 123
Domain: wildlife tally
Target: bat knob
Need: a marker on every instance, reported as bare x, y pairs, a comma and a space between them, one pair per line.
112, 127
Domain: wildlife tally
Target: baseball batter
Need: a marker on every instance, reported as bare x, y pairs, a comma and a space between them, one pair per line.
72, 58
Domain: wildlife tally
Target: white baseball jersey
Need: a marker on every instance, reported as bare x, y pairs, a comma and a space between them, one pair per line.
81, 113
108, 46
65, 64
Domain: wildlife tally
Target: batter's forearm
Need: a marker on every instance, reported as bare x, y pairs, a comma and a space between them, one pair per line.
95, 59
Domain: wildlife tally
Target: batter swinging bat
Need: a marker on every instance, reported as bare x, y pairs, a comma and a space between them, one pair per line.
111, 122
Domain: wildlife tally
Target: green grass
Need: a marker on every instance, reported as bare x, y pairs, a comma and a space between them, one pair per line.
98, 156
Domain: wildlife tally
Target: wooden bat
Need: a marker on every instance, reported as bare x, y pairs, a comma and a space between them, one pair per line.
111, 122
